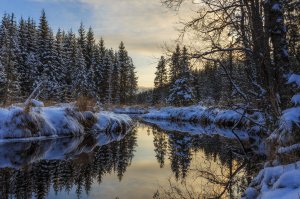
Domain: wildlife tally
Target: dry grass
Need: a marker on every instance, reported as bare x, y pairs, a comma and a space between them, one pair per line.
49, 102
84, 103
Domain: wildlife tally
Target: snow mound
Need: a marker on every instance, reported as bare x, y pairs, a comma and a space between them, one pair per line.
17, 122
277, 182
108, 121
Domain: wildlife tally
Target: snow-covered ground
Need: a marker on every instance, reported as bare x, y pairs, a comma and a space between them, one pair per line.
283, 181
279, 182
202, 114
16, 122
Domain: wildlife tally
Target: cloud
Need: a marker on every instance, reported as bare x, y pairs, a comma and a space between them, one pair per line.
144, 25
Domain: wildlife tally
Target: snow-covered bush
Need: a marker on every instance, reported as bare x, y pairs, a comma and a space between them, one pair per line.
287, 136
275, 182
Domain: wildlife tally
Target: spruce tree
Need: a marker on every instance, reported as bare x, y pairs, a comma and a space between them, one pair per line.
175, 65
98, 69
132, 81
32, 62
124, 72
115, 81
107, 74
69, 57
181, 91
3, 81
48, 71
22, 67
9, 57
81, 81
90, 61
82, 38
60, 65
160, 81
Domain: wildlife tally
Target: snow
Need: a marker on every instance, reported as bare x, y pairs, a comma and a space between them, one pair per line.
289, 118
203, 114
111, 121
279, 182
296, 99
56, 121
36, 103
294, 78
179, 113
276, 7
289, 149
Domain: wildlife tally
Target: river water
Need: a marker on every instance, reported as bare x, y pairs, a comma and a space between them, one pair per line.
149, 162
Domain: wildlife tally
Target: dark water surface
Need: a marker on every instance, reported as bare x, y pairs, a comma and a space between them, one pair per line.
147, 162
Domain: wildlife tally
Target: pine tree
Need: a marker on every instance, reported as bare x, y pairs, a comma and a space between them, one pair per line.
48, 71
67, 65
90, 61
107, 74
81, 81
132, 81
59, 62
160, 81
115, 81
3, 81
124, 72
9, 54
69, 58
22, 67
82, 38
181, 91
99, 69
175, 65
32, 61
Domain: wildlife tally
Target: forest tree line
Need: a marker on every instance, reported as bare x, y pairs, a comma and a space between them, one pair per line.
251, 48
68, 65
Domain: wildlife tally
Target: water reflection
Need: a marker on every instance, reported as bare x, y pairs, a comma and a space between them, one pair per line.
202, 165
214, 164
31, 168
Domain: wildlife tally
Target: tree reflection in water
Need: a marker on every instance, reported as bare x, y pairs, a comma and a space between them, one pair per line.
201, 166
79, 167
215, 166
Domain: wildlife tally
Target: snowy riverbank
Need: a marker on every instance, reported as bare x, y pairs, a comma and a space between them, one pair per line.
197, 129
16, 122
203, 115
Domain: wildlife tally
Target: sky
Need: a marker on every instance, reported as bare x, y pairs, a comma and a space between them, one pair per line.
143, 25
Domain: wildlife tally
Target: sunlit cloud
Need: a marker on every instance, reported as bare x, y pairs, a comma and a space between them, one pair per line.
143, 25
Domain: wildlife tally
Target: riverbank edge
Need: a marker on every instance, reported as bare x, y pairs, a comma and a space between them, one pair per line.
63, 120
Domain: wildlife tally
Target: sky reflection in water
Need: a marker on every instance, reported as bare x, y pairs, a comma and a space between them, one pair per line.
135, 167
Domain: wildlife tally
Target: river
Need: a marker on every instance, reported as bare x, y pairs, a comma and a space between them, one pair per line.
148, 162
